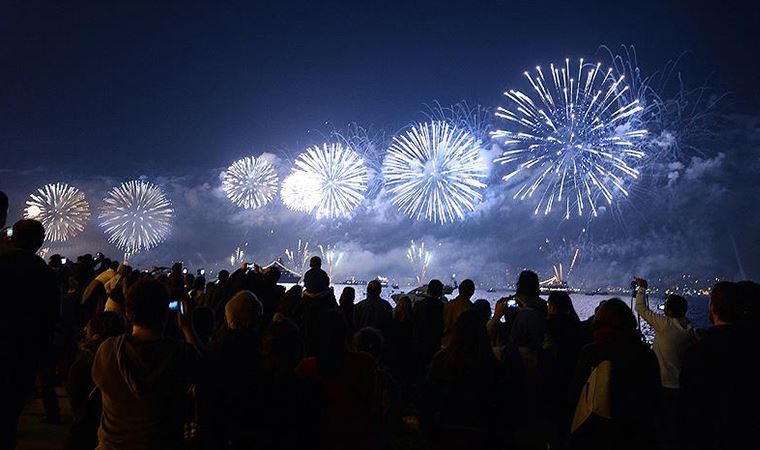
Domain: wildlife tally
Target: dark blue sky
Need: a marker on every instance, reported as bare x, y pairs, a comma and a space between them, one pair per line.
99, 87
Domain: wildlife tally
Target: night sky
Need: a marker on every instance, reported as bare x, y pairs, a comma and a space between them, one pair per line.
95, 93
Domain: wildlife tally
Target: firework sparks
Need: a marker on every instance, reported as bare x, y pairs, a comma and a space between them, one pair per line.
420, 259
331, 258
61, 208
238, 257
328, 181
435, 171
298, 258
575, 139
136, 216
250, 183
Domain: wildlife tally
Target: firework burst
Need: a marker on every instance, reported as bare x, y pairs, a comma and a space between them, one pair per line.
328, 181
435, 171
420, 259
576, 138
250, 183
136, 216
61, 208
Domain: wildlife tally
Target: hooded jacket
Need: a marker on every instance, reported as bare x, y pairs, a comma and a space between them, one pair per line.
144, 392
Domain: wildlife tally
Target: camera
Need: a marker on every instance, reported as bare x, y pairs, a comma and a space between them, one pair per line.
201, 272
8, 232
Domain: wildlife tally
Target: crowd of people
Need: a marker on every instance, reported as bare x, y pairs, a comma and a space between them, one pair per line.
166, 359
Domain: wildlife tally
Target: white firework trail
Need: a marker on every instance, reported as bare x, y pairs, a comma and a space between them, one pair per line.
420, 259
250, 182
435, 172
327, 181
576, 138
61, 208
331, 258
298, 258
136, 216
237, 258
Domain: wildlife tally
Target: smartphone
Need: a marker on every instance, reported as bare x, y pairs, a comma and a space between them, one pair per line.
64, 260
511, 303
174, 304
9, 232
201, 272
184, 270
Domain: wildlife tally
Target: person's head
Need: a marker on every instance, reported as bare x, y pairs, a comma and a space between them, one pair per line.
676, 306
200, 283
315, 262
28, 234
466, 288
189, 280
177, 268
224, 275
469, 344
527, 283
559, 303
374, 288
100, 327
113, 265
147, 304
3, 208
403, 311
243, 311
369, 340
55, 261
272, 275
435, 288
347, 297
281, 346
616, 315
481, 305
725, 304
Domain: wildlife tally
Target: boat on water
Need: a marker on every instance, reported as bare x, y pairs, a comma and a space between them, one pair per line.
548, 288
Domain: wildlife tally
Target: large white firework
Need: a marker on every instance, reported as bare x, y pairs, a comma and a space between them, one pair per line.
435, 171
327, 181
61, 208
420, 259
250, 182
300, 191
574, 137
136, 215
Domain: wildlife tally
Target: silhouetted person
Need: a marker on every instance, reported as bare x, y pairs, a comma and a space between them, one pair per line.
373, 311
427, 323
315, 280
633, 383
562, 344
371, 341
144, 377
85, 404
349, 382
3, 209
233, 370
346, 304
454, 308
31, 301
719, 377
291, 405
459, 401
482, 306
674, 334
269, 293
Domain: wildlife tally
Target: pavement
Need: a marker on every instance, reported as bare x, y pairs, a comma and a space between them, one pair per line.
34, 434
